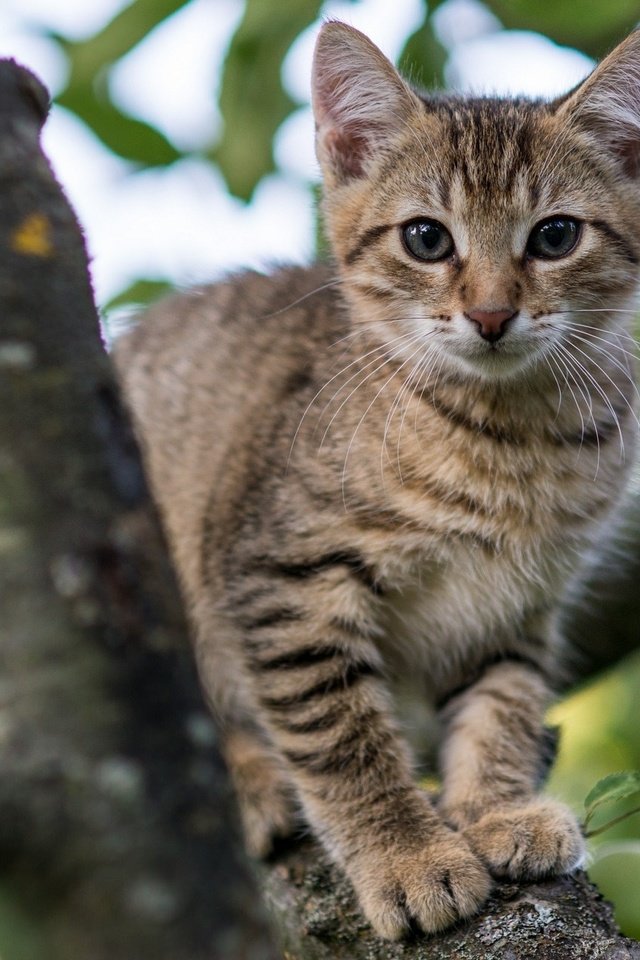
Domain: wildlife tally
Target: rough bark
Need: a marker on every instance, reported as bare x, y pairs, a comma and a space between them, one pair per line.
117, 836
116, 831
562, 919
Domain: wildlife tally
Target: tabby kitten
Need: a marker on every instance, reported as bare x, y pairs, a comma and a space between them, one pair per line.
387, 471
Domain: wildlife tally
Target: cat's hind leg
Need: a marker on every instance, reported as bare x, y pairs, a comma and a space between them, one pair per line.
267, 807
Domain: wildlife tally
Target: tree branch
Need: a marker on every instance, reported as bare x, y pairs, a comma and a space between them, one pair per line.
560, 919
117, 835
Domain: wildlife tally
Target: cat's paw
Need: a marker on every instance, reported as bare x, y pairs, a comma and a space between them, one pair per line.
429, 888
536, 839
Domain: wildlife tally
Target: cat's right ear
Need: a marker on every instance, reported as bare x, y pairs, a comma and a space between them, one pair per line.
607, 104
360, 102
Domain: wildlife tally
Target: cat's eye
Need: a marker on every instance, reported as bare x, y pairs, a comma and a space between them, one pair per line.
553, 238
427, 240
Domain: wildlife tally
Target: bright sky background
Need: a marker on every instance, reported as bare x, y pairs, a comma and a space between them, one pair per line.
180, 223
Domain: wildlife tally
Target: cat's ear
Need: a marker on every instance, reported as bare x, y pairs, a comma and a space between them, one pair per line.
607, 104
360, 102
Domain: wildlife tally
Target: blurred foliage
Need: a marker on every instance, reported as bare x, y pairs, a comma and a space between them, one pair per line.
20, 934
140, 292
611, 790
87, 93
594, 26
601, 733
253, 101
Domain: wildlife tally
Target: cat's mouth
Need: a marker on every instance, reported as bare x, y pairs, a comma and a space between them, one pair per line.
501, 359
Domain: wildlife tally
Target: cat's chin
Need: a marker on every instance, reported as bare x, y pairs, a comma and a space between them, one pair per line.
492, 365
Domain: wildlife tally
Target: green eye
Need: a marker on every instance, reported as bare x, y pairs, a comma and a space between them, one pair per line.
427, 240
553, 238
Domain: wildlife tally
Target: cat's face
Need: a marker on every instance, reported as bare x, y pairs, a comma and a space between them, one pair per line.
474, 234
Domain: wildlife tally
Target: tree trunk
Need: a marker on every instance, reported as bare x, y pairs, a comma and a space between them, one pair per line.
117, 833
117, 837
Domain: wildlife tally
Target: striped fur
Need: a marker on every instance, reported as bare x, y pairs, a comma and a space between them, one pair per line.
363, 495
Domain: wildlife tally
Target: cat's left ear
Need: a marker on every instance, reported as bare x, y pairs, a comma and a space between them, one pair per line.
360, 101
607, 104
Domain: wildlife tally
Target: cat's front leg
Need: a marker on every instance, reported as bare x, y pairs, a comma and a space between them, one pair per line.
493, 756
317, 676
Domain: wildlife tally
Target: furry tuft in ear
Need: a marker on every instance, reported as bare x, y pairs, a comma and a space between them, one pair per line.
607, 104
360, 102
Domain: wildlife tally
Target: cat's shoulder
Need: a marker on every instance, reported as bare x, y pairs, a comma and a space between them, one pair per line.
288, 296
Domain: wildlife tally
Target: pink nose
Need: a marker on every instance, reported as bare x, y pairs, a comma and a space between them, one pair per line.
491, 323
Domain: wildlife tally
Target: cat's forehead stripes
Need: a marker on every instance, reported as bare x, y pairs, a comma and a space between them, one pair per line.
487, 145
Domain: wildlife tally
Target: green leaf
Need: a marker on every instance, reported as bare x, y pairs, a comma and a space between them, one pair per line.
127, 137
252, 100
423, 58
140, 293
617, 786
87, 95
595, 28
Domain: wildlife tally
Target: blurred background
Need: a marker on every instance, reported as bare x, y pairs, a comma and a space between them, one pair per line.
182, 134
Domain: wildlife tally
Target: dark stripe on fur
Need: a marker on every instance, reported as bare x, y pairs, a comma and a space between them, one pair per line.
303, 657
353, 674
594, 436
479, 428
352, 750
363, 241
324, 721
621, 242
310, 568
452, 496
271, 617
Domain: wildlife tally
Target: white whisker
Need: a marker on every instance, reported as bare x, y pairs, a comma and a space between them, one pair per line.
421, 372
611, 381
567, 374
547, 360
362, 418
573, 336
406, 340
294, 303
376, 350
587, 377
585, 330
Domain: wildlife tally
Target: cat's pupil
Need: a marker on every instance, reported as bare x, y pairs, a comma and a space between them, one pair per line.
554, 233
427, 240
430, 236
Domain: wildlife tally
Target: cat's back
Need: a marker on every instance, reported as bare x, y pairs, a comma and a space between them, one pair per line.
237, 328
208, 371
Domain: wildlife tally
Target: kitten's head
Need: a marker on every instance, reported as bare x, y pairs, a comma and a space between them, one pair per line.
484, 227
